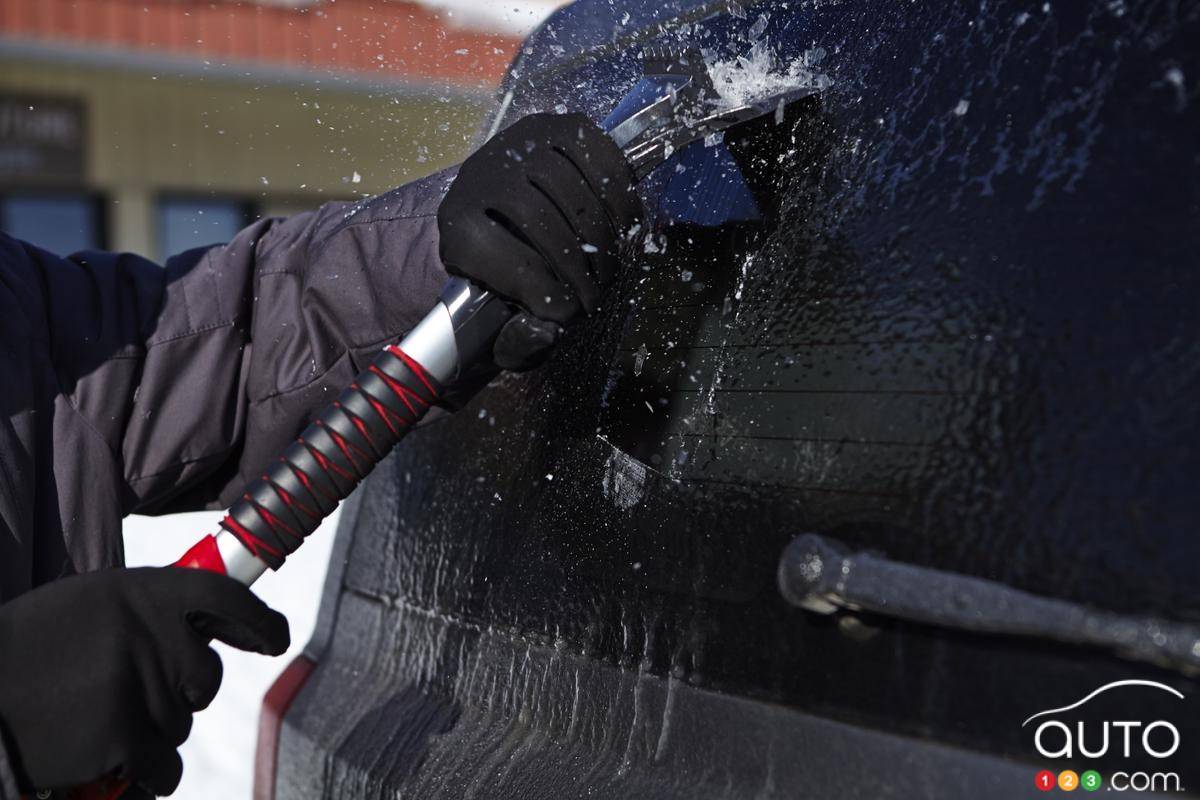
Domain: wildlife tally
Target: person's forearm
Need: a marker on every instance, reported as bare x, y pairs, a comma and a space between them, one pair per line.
319, 294
183, 381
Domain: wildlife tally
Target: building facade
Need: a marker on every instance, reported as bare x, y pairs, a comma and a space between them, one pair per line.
157, 125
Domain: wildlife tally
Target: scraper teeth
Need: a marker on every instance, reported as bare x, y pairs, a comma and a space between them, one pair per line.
666, 59
660, 59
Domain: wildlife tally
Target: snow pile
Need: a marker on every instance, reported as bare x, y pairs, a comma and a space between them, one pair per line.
758, 74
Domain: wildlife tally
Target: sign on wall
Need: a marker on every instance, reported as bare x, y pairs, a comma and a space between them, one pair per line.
42, 139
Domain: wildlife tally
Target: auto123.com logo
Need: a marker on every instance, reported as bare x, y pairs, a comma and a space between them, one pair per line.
1056, 735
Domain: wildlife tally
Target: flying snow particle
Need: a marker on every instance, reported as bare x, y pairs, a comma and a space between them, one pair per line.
1174, 77
756, 30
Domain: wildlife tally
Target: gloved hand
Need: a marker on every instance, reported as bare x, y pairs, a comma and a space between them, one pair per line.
101, 672
536, 215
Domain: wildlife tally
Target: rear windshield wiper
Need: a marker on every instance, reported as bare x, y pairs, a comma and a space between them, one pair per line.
824, 576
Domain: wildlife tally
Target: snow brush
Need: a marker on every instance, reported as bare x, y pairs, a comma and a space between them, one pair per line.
672, 106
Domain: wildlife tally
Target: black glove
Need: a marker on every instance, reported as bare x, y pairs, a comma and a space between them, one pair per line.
536, 215
101, 672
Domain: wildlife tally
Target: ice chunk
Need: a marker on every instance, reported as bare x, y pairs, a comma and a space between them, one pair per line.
639, 359
758, 74
756, 30
624, 481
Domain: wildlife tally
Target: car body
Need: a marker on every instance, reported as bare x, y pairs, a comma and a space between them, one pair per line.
958, 336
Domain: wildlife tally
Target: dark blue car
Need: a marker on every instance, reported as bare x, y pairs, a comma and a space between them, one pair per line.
889, 443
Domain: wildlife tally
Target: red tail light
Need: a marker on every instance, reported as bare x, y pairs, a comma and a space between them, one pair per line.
275, 705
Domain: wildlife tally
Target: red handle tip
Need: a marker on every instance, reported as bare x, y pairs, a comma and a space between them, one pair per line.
203, 555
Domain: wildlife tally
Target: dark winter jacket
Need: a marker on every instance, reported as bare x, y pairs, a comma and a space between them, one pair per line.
133, 387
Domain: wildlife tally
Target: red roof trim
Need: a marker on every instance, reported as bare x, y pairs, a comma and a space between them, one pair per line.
388, 40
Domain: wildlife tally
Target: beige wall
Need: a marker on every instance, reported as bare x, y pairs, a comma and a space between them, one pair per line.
285, 147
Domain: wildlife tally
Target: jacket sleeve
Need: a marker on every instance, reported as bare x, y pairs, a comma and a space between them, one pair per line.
197, 374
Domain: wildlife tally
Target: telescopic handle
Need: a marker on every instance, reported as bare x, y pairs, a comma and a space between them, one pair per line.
322, 467
351, 435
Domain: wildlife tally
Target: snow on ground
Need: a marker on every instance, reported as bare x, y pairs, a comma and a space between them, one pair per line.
218, 758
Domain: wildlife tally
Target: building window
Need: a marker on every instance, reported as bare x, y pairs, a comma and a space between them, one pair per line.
188, 222
60, 222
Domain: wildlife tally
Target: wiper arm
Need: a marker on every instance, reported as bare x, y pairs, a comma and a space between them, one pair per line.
825, 576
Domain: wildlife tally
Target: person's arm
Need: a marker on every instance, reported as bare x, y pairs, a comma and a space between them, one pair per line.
199, 373
240, 344
264, 331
